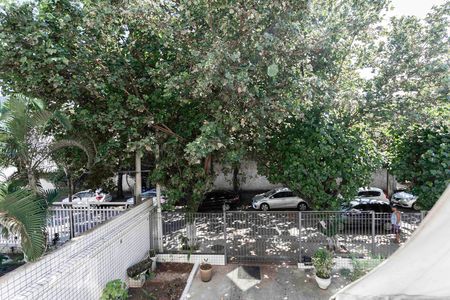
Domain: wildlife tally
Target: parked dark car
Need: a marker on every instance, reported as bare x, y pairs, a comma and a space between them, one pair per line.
359, 215
215, 200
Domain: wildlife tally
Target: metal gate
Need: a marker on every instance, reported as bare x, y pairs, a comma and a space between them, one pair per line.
262, 237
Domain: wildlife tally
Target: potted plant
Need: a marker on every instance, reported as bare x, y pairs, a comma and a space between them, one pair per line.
323, 264
205, 271
137, 273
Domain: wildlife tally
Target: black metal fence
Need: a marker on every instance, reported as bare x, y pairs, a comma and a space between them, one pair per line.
253, 236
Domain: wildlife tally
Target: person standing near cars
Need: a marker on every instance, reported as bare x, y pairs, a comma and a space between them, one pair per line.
396, 219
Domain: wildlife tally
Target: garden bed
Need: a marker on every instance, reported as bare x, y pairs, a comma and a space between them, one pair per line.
168, 284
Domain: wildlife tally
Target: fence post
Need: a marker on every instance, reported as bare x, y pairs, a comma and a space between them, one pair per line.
71, 221
373, 233
89, 216
225, 233
422, 215
299, 236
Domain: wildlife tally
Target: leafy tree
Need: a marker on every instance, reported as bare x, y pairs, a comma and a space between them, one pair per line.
250, 63
213, 78
421, 156
321, 158
246, 67
91, 60
409, 61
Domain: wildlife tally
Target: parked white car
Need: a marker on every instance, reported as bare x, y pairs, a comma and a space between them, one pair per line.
280, 198
405, 199
371, 193
89, 197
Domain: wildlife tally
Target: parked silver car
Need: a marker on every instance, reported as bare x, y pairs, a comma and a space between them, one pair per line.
280, 198
405, 199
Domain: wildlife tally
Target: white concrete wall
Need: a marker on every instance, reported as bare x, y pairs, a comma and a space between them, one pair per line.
380, 180
249, 179
81, 268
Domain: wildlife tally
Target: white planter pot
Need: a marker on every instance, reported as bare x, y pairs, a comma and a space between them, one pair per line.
138, 282
153, 263
323, 282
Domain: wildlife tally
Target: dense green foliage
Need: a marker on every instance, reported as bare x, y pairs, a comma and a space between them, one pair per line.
422, 157
411, 68
208, 81
323, 159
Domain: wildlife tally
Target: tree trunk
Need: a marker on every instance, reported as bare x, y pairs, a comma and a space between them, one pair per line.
120, 185
138, 184
32, 182
235, 178
71, 219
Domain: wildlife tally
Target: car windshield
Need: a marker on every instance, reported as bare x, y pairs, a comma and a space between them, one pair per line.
269, 193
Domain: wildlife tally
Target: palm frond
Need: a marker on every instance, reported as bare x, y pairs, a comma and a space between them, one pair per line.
63, 120
52, 195
39, 119
24, 213
84, 146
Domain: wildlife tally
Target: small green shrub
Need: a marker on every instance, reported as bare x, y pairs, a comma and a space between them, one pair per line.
115, 290
345, 272
362, 267
323, 263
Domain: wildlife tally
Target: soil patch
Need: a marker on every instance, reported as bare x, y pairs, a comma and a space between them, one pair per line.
12, 265
6, 268
168, 284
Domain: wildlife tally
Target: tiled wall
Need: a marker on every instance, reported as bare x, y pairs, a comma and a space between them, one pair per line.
81, 268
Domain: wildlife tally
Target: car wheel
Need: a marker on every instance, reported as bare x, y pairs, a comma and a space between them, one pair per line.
302, 206
226, 206
416, 206
265, 207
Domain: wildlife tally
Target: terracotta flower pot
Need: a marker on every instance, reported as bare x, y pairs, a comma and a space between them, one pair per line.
205, 272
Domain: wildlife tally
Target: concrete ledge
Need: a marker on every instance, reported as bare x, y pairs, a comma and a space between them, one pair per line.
189, 281
213, 259
339, 263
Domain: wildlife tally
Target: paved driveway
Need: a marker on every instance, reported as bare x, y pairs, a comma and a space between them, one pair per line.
281, 282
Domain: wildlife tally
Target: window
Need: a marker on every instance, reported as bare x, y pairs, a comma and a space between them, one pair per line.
369, 194
280, 195
364, 194
374, 193
269, 193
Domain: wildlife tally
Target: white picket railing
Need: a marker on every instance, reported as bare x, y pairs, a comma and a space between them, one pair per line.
64, 216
